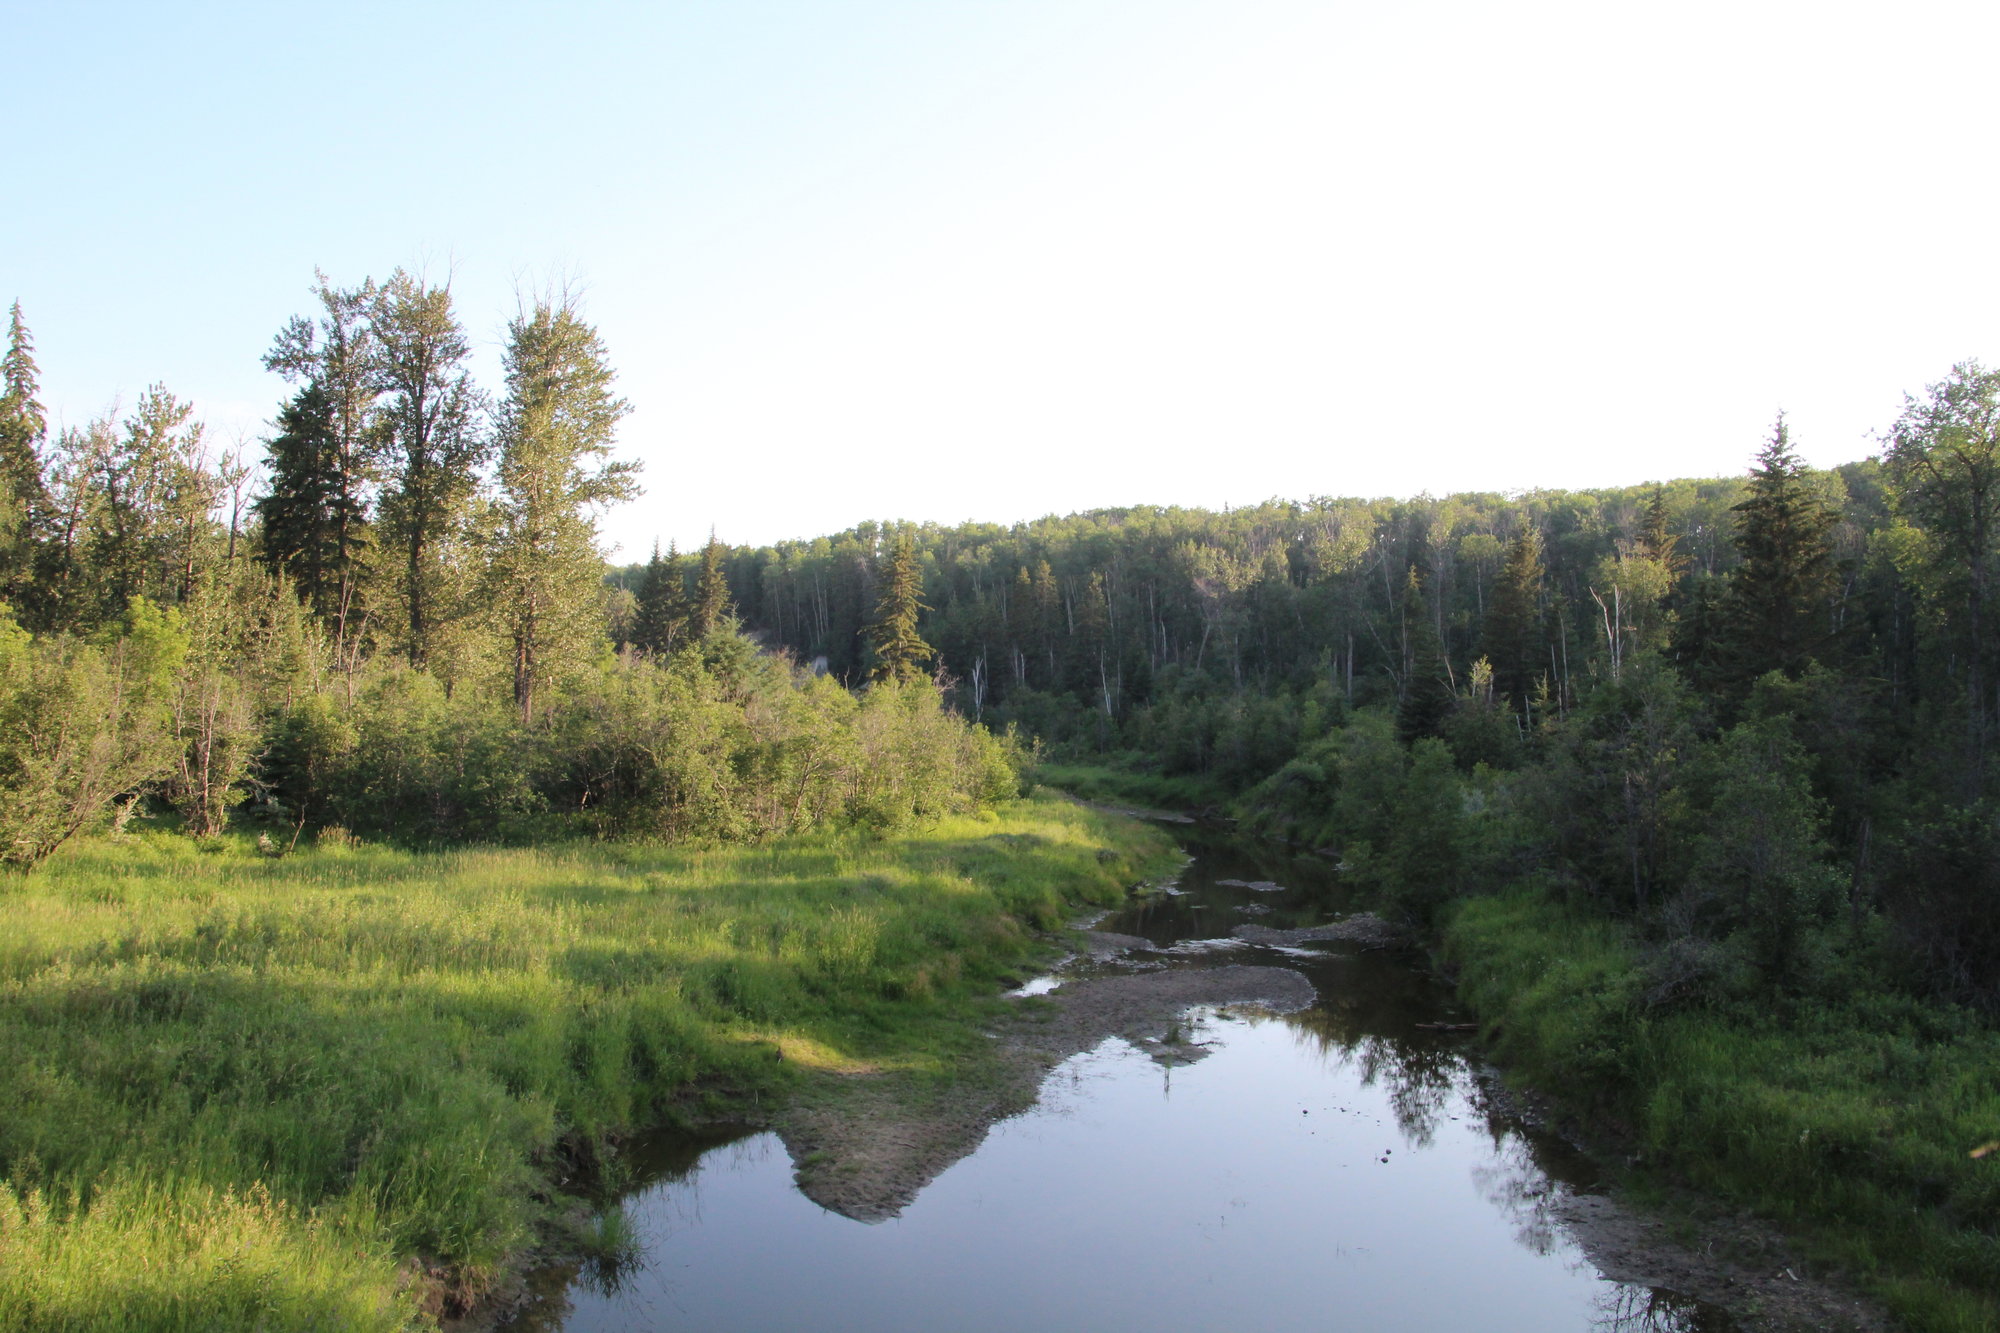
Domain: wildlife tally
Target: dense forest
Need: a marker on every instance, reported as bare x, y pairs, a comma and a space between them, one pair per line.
1747, 711
399, 628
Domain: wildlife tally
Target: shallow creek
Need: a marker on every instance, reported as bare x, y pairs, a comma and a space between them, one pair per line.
1341, 1167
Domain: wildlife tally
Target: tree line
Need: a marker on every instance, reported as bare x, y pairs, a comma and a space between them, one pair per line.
398, 620
1755, 716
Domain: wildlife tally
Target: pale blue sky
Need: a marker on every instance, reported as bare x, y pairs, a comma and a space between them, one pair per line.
1043, 256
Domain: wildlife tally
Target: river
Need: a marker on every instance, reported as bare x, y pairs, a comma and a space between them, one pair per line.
1337, 1168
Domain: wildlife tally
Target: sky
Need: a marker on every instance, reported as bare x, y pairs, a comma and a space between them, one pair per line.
971, 260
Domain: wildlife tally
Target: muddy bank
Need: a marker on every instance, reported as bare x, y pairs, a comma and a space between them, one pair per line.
864, 1145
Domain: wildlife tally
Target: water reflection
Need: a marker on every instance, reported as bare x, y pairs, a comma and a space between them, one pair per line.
1341, 1167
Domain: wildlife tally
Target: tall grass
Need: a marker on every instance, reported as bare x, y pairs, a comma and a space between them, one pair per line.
1851, 1118
245, 1092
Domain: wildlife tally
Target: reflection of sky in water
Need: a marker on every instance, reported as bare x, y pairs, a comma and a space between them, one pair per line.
1244, 1192
1312, 1173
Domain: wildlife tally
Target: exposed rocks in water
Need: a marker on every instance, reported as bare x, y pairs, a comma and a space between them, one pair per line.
1361, 928
1101, 946
866, 1144
1254, 885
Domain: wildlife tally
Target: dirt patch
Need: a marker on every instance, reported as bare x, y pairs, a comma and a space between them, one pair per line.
1363, 928
1691, 1248
865, 1145
1740, 1265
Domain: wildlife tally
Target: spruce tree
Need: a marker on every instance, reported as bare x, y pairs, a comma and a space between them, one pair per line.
1513, 637
899, 652
556, 431
314, 526
23, 429
1778, 614
663, 608
323, 483
711, 591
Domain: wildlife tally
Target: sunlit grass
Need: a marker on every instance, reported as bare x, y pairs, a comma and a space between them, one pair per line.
238, 1079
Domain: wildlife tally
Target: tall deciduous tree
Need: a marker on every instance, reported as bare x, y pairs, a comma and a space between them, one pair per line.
1944, 461
156, 492
899, 652
316, 511
555, 430
428, 435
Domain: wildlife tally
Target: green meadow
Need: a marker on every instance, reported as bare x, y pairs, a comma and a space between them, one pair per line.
345, 1089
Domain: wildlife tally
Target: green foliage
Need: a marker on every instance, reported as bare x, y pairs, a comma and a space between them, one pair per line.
556, 429
23, 429
1779, 611
711, 591
1850, 1117
257, 1093
898, 651
82, 725
662, 612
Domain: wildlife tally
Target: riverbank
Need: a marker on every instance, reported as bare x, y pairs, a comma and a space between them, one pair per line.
1853, 1120
350, 1087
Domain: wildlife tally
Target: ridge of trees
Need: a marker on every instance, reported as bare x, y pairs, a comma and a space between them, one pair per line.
1619, 667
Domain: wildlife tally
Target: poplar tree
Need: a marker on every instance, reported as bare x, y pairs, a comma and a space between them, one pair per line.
900, 652
155, 494
23, 429
1944, 461
427, 431
556, 429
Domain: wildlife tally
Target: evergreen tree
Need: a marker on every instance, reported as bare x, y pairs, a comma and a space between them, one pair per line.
1655, 541
556, 431
899, 652
428, 429
711, 591
1428, 696
314, 524
1778, 615
23, 429
663, 609
1513, 637
321, 476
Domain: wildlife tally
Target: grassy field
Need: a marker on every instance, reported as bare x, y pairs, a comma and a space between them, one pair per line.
1849, 1118
330, 1090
